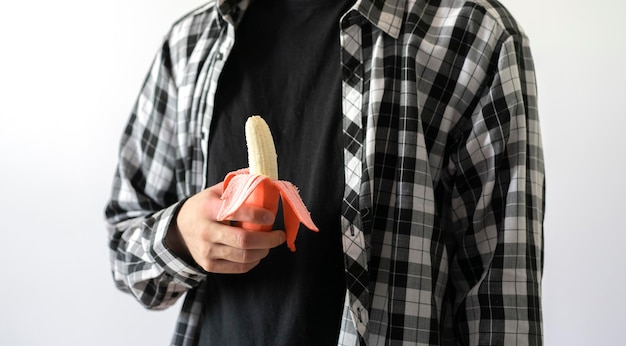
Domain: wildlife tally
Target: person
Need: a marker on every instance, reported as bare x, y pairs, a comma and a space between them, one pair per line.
411, 129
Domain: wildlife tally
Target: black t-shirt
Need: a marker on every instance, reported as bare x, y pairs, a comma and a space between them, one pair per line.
285, 67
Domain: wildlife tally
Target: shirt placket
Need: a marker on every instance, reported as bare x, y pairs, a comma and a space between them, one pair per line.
217, 60
354, 244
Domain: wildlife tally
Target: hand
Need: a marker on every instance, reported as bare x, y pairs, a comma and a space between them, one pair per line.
215, 246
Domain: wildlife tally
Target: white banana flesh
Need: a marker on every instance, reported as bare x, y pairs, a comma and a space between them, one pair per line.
262, 157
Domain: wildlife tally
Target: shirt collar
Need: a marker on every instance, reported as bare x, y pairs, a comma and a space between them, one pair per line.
231, 10
386, 15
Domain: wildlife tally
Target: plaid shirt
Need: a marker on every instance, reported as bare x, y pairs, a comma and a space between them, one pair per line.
444, 179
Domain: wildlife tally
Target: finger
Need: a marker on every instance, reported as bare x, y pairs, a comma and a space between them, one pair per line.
253, 214
244, 239
236, 255
245, 213
228, 267
213, 200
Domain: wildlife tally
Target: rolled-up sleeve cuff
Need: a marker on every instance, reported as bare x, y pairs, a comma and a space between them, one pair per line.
182, 272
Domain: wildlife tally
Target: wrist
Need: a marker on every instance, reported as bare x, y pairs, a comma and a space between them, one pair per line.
175, 242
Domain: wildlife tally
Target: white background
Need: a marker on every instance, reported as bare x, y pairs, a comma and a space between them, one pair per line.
69, 74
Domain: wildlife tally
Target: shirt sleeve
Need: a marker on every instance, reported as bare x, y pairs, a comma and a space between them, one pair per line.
144, 198
497, 208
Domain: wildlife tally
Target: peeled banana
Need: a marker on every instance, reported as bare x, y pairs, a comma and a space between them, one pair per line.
259, 186
262, 157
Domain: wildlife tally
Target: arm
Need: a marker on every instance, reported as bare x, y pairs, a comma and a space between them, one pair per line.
144, 199
163, 242
498, 207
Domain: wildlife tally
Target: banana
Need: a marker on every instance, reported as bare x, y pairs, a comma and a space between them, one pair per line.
262, 157
259, 186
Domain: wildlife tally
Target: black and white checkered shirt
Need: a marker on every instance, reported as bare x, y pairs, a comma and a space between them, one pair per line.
444, 177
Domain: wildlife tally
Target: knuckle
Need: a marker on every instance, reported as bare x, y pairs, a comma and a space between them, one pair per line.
244, 256
207, 265
242, 240
248, 256
214, 266
242, 268
246, 267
